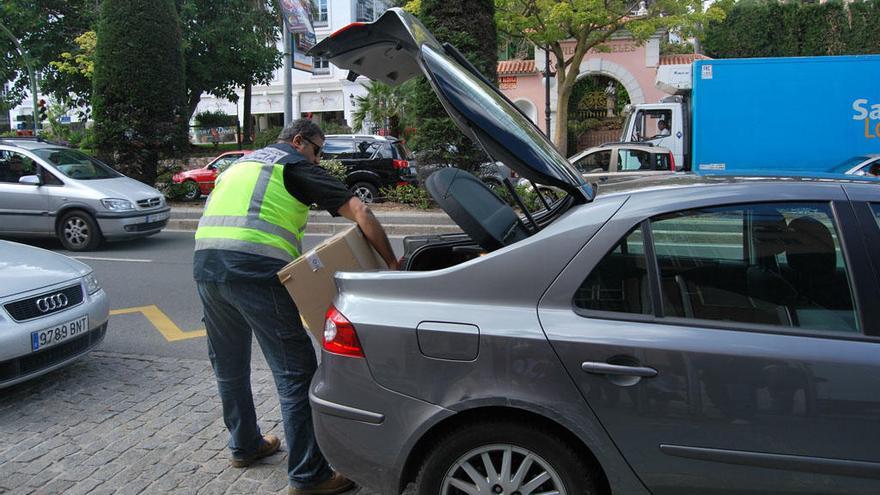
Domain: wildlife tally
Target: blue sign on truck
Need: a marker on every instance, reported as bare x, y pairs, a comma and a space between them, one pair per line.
794, 114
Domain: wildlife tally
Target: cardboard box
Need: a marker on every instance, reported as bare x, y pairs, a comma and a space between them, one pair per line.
309, 278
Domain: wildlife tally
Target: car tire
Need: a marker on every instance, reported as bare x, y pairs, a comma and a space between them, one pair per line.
548, 454
365, 191
78, 231
191, 190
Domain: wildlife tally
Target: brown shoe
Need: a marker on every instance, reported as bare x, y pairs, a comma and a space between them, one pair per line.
270, 445
336, 484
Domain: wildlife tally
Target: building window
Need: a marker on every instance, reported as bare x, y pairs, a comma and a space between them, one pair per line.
322, 66
365, 11
320, 13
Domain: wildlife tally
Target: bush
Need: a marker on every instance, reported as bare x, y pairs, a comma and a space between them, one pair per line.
166, 185
336, 169
408, 195
215, 119
266, 137
335, 128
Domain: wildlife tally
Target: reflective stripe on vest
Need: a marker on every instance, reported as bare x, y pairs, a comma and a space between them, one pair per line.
251, 211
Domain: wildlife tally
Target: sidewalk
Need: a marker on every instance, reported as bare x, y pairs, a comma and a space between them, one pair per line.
396, 222
127, 424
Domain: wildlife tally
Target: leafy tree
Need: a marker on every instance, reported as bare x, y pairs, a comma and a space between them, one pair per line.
46, 28
589, 24
227, 44
384, 104
75, 70
470, 27
139, 91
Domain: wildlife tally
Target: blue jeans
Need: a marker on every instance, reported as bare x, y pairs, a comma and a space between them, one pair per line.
234, 310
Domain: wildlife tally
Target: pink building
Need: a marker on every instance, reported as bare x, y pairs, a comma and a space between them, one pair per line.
622, 58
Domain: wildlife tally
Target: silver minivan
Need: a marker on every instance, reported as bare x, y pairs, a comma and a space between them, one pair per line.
49, 190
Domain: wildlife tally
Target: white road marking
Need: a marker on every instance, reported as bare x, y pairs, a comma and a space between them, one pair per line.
93, 258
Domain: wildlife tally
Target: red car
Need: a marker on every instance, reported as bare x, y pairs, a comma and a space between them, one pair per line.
201, 180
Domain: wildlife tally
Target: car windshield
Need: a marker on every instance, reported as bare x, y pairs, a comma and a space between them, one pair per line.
76, 164
848, 164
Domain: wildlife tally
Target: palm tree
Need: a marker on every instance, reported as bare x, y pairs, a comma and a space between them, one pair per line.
383, 105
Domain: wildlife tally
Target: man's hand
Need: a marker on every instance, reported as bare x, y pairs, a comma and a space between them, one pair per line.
356, 211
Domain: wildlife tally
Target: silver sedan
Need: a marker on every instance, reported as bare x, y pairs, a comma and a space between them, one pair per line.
52, 311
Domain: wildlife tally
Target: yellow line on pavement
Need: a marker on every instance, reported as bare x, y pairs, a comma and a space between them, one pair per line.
162, 322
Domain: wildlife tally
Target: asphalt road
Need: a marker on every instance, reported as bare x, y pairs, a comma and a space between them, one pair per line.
155, 271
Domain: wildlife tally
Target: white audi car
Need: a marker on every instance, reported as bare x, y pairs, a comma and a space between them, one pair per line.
52, 311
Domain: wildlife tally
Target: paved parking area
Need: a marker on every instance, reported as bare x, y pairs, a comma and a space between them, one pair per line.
126, 424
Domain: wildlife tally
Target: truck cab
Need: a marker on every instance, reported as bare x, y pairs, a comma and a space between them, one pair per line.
665, 123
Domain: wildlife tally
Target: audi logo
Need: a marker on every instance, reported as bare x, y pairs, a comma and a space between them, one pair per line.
53, 302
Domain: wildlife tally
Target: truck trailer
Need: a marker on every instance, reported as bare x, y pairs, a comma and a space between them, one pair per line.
804, 114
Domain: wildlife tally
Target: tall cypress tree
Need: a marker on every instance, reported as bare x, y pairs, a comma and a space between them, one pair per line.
469, 25
139, 96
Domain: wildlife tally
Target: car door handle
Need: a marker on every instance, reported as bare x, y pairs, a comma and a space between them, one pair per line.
617, 369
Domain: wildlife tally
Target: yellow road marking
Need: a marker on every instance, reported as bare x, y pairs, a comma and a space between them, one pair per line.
162, 322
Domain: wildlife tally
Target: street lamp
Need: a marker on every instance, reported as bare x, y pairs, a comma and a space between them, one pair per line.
547, 75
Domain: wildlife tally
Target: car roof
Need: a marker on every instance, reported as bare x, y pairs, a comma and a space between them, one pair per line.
642, 183
636, 146
29, 143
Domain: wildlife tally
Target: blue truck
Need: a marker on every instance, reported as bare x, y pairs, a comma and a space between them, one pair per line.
804, 114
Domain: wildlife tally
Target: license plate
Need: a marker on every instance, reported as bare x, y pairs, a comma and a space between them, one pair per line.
51, 336
158, 217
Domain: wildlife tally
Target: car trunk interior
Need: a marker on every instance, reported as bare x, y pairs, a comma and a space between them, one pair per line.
487, 221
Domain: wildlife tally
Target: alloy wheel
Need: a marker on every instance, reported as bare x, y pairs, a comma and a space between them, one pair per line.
502, 469
77, 231
364, 194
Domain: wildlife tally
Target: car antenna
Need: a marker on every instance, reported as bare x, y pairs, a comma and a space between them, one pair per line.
519, 202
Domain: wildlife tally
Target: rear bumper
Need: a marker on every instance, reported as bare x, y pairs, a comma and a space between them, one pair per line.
365, 431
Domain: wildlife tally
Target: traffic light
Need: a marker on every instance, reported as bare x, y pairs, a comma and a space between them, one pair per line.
41, 110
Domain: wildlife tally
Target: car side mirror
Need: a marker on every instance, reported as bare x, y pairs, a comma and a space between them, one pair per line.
33, 180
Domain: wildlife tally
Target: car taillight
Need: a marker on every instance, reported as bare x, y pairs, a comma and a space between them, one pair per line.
339, 335
400, 164
672, 162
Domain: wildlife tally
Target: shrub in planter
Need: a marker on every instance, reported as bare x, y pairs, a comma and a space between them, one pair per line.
335, 168
266, 137
166, 185
408, 195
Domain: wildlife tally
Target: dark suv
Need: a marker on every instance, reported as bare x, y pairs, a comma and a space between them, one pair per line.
373, 162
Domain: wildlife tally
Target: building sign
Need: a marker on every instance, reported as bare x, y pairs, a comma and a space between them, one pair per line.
613, 47
297, 15
325, 101
301, 44
507, 82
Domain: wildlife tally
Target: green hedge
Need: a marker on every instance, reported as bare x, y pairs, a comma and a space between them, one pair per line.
775, 29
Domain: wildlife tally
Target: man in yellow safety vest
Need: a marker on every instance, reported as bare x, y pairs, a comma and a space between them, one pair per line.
253, 226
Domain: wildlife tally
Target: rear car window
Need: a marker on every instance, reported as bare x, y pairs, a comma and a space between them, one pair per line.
619, 283
339, 148
628, 160
768, 264
400, 151
76, 164
599, 161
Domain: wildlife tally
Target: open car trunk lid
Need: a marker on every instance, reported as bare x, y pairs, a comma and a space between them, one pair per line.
397, 47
